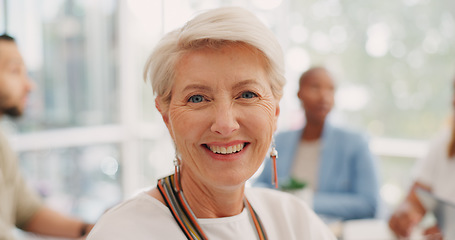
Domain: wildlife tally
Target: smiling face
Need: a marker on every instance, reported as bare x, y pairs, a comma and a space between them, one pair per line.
222, 114
317, 93
14, 82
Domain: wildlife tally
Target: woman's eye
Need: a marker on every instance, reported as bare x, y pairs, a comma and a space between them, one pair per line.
196, 99
248, 95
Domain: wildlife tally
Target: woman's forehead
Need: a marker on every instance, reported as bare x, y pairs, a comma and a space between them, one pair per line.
232, 50
234, 64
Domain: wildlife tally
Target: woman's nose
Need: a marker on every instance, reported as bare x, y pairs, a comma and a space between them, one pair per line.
225, 120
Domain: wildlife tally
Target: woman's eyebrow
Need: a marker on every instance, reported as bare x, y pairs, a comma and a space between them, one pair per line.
238, 85
197, 87
245, 83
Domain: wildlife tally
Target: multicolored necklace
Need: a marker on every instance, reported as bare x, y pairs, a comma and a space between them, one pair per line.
169, 188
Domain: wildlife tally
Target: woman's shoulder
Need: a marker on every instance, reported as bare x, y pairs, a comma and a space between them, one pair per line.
441, 138
270, 195
139, 202
132, 216
437, 147
270, 201
279, 201
286, 216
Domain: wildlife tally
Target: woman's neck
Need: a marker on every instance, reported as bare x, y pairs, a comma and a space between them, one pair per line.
210, 202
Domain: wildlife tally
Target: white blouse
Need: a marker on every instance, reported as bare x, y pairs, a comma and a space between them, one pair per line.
282, 215
437, 170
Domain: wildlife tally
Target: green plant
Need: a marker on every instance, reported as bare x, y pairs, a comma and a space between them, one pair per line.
293, 184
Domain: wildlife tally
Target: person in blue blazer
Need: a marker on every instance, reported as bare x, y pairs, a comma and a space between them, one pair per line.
336, 163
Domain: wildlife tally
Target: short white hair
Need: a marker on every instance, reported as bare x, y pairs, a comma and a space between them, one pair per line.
214, 28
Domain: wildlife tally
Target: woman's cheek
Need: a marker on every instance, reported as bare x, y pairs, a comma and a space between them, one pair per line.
269, 111
262, 120
185, 121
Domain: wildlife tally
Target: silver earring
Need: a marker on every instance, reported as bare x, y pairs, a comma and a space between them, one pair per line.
274, 156
177, 165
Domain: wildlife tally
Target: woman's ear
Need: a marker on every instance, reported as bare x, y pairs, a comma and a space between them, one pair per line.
277, 113
160, 106
164, 110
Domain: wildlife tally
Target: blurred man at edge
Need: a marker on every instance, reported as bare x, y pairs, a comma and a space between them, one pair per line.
20, 206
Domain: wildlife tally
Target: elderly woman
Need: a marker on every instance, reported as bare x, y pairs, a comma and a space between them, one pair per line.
218, 82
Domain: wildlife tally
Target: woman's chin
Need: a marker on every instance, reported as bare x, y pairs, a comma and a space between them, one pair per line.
229, 181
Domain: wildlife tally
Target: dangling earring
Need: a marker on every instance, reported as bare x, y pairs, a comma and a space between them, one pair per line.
274, 156
177, 164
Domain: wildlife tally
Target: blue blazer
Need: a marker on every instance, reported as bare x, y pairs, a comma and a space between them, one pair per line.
347, 179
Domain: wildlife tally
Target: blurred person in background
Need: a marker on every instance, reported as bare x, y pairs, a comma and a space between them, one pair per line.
335, 163
218, 82
434, 173
20, 206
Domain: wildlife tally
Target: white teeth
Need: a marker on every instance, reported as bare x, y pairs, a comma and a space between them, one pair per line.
228, 150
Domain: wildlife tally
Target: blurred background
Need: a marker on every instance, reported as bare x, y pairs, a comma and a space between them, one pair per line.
91, 135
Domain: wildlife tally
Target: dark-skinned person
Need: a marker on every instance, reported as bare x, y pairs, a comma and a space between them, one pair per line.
334, 163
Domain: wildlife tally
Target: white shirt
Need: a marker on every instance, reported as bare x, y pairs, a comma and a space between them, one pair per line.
282, 215
306, 163
436, 169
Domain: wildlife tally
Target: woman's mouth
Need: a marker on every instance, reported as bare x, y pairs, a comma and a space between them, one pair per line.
226, 150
